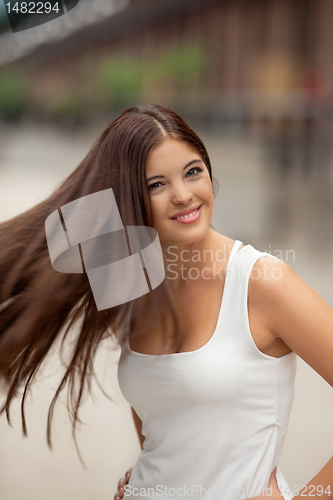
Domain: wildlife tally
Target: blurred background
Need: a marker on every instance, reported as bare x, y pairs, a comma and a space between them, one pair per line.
254, 78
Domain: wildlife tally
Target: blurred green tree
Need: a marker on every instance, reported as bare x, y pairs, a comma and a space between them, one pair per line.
14, 94
120, 80
180, 65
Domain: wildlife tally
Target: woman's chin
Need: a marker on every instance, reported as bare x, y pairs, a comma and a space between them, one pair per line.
184, 237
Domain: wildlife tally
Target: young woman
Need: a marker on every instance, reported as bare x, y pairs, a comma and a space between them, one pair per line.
208, 357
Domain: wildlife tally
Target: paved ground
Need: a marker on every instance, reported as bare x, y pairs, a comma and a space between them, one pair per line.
253, 205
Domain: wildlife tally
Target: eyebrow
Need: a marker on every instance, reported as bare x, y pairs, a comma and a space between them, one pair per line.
162, 176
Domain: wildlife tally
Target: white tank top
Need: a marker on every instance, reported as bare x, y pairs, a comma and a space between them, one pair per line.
214, 419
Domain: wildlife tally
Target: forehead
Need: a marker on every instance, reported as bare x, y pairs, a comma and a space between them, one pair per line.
171, 153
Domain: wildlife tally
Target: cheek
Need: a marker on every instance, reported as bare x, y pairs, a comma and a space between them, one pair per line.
207, 192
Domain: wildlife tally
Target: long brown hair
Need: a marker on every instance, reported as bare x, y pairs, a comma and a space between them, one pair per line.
38, 304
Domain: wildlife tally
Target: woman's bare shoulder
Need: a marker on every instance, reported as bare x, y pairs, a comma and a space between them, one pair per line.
294, 312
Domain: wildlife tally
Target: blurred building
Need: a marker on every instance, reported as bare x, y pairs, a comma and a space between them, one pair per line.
260, 65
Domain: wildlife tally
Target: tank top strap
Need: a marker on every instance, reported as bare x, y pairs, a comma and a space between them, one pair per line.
234, 250
240, 266
242, 261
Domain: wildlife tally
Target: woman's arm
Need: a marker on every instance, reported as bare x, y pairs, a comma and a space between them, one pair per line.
124, 480
323, 481
297, 314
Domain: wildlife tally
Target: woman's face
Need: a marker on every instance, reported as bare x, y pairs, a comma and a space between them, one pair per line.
178, 181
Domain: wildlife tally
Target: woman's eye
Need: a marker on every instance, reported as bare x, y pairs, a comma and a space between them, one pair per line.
152, 186
194, 169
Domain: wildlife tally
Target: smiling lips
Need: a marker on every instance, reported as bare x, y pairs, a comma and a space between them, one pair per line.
188, 218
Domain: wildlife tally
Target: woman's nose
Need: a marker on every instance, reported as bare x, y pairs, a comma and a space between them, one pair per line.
181, 194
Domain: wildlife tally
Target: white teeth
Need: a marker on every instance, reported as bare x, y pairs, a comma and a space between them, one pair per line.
187, 216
